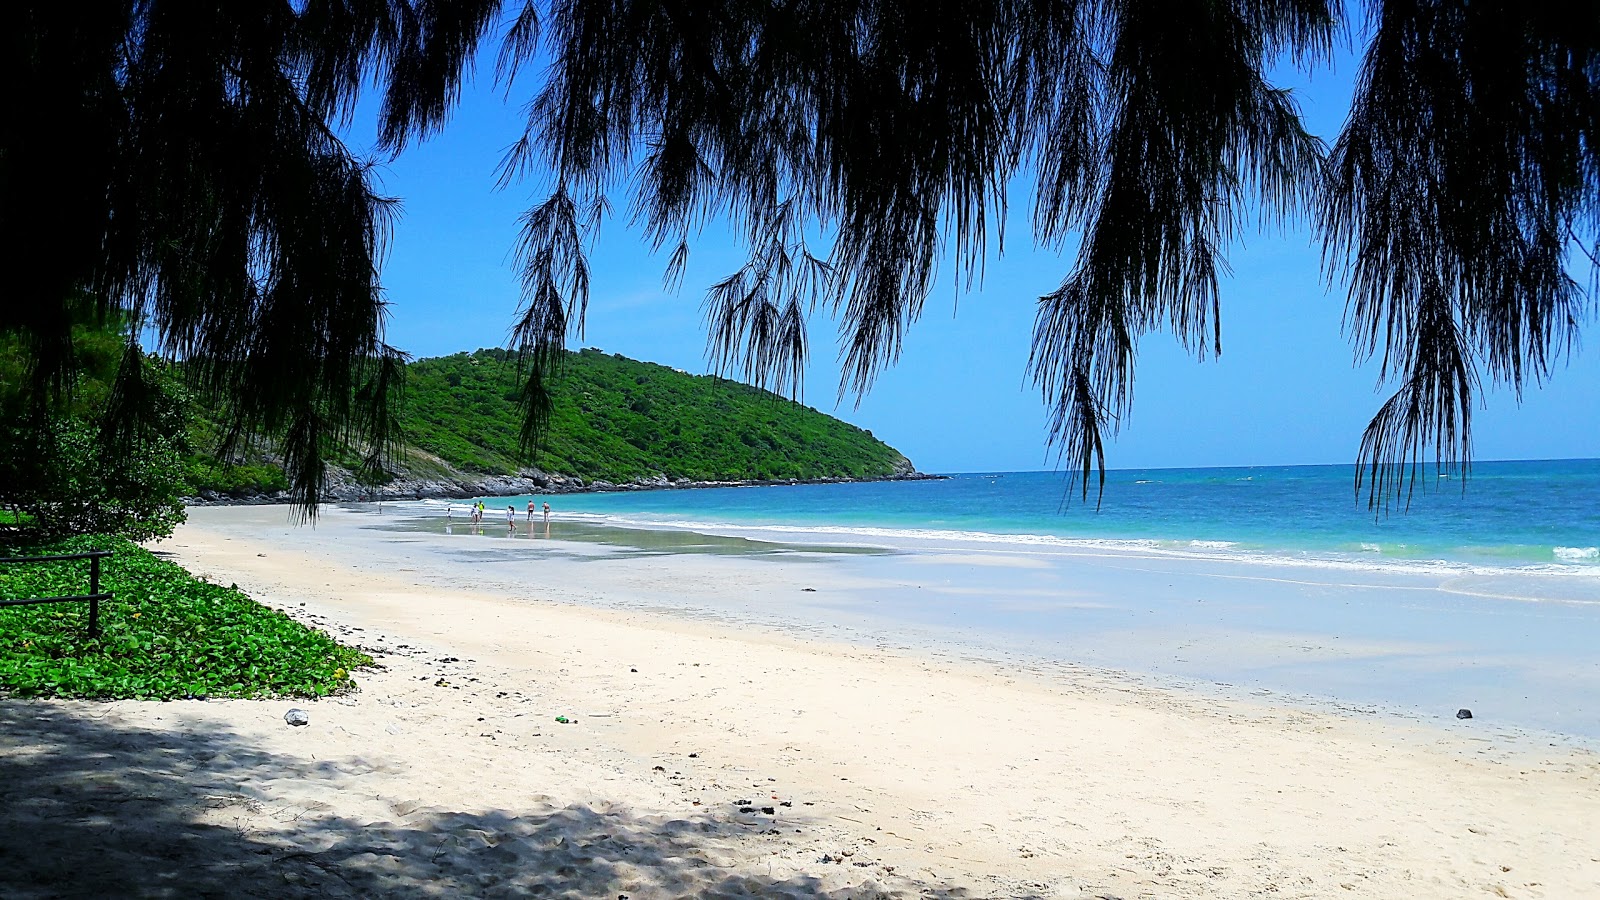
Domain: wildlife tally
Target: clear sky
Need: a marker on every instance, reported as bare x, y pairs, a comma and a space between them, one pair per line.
1286, 389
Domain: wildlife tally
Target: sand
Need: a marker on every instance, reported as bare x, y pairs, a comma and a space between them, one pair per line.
710, 758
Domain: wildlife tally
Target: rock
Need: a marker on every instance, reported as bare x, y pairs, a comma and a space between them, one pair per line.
297, 717
1463, 713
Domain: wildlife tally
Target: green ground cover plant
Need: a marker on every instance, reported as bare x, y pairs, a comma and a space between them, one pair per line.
165, 635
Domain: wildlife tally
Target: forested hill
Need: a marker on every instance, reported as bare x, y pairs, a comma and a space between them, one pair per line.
617, 419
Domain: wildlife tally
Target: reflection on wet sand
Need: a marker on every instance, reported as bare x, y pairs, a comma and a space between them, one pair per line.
628, 541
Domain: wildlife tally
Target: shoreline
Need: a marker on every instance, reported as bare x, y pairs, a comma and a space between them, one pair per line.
400, 490
711, 755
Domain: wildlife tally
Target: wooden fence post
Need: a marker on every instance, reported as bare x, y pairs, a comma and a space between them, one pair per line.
94, 596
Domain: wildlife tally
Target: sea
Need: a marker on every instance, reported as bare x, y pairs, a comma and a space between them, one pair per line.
1530, 515
1478, 593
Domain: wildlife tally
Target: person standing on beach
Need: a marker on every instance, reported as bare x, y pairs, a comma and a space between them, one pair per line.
511, 517
530, 511
547, 516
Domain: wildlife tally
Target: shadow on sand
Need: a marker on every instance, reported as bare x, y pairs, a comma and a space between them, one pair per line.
93, 809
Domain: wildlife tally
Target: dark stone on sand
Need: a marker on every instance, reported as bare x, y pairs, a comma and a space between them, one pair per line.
768, 810
297, 717
1463, 713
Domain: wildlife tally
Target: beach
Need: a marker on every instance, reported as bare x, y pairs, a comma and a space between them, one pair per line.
714, 752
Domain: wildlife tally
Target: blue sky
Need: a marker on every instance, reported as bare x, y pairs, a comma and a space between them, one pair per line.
1286, 389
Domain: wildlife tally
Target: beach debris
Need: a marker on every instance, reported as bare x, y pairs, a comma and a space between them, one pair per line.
809, 590
394, 729
563, 720
693, 755
747, 809
633, 670
297, 717
768, 810
1463, 713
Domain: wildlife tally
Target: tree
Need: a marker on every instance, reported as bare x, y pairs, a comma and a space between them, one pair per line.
209, 197
66, 474
173, 164
1466, 177
78, 484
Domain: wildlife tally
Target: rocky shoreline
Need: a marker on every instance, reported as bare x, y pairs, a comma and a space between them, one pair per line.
343, 489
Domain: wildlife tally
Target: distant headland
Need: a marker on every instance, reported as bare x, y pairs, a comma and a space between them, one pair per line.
616, 424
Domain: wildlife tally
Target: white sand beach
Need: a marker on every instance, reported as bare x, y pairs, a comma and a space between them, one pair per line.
713, 758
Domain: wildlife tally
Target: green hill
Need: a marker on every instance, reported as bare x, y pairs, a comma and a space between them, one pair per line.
614, 419
617, 419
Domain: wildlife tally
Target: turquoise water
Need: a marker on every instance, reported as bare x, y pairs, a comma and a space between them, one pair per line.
1518, 515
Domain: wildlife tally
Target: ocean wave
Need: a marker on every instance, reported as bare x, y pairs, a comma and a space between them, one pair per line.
1221, 551
1577, 552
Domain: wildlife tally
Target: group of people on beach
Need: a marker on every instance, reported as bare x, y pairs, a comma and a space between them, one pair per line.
480, 511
